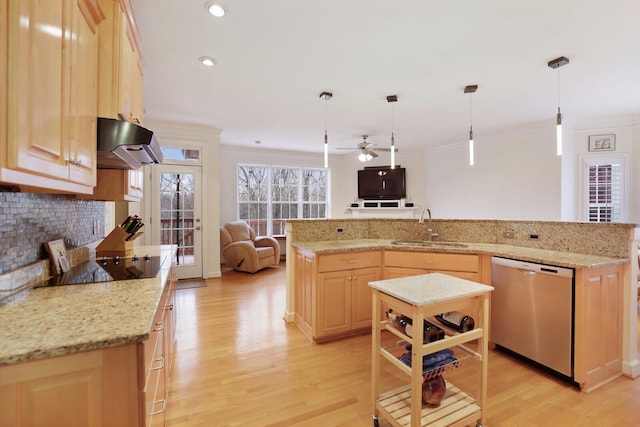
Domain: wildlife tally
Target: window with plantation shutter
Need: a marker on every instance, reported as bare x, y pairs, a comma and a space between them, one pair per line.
604, 189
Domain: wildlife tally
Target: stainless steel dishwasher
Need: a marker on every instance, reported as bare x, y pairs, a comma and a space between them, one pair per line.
532, 312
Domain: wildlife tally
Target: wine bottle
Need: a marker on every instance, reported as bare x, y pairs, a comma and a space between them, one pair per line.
430, 331
456, 320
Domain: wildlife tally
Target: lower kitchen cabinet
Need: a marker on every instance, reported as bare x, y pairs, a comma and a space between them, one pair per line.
332, 296
464, 266
88, 389
598, 325
343, 301
123, 386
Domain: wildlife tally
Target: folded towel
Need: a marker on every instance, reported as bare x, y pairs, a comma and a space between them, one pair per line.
430, 361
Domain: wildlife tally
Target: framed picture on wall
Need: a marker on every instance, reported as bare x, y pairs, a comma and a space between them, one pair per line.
602, 142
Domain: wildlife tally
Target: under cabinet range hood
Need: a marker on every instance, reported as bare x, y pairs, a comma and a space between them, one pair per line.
125, 145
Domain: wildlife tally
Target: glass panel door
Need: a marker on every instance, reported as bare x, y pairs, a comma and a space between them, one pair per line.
179, 213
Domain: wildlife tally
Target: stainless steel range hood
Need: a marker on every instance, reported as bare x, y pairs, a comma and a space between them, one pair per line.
124, 145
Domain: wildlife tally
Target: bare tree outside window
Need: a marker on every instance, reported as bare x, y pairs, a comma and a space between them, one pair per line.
268, 196
176, 214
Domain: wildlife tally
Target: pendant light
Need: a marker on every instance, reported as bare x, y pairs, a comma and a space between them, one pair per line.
326, 96
470, 89
391, 99
556, 64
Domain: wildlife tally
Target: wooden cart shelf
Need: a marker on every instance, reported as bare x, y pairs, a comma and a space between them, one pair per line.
456, 408
421, 297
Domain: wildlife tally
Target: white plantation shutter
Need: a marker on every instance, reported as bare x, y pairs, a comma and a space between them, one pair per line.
604, 192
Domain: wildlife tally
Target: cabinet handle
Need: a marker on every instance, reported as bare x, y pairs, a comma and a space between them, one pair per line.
355, 277
352, 261
160, 366
169, 307
428, 261
160, 326
164, 406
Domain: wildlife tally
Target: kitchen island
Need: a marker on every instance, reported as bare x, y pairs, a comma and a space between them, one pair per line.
89, 354
332, 299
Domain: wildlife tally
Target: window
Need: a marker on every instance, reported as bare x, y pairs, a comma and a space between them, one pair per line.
604, 190
268, 196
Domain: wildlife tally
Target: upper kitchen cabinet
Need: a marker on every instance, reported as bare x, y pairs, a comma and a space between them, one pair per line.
49, 111
120, 82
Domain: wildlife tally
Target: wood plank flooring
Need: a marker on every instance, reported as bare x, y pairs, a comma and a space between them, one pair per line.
239, 364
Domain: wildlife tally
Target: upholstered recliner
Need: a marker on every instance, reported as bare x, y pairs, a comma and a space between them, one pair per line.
243, 251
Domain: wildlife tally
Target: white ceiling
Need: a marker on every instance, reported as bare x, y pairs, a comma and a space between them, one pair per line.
274, 58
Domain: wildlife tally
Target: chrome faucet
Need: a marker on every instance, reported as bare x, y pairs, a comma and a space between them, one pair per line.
430, 233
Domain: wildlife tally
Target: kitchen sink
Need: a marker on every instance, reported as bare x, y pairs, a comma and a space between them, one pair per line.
428, 244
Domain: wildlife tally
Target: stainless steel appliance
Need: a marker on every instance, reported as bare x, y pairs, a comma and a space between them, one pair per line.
125, 145
109, 269
532, 312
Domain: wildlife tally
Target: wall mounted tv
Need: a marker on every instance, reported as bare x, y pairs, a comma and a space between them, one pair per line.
382, 183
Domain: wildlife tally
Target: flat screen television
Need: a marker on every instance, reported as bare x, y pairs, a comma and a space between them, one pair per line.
382, 184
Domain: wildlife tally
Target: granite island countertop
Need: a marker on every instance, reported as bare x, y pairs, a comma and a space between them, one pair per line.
59, 320
543, 256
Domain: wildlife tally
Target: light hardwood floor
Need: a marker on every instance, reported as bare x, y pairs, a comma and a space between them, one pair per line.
238, 364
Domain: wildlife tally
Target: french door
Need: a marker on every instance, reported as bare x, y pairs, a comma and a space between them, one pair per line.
178, 206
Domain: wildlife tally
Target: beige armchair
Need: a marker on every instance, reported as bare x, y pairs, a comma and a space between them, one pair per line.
243, 251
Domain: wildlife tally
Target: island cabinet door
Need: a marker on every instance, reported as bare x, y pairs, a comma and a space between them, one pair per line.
333, 304
361, 297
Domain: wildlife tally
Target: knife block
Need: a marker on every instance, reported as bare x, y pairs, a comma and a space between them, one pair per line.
115, 244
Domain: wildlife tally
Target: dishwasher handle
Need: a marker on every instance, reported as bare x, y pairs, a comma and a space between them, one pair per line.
533, 267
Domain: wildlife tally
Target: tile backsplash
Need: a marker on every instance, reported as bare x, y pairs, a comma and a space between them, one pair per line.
29, 220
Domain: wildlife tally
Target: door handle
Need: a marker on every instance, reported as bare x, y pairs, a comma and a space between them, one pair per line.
197, 228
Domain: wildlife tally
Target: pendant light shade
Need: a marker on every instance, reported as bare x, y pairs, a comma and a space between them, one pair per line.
556, 64
326, 96
391, 99
470, 89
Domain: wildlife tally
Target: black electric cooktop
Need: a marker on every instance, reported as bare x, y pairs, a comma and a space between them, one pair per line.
109, 269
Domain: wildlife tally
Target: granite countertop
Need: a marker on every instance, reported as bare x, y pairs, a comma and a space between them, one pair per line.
558, 258
59, 320
430, 288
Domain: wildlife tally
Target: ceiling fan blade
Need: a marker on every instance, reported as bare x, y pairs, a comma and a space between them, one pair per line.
385, 149
373, 153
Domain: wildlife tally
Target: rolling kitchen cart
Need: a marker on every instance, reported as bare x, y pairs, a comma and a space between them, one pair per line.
421, 297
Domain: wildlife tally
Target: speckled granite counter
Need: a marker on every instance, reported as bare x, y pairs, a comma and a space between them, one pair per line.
561, 259
429, 288
54, 321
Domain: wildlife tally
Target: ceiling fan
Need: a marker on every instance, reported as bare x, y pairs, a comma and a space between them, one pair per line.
367, 150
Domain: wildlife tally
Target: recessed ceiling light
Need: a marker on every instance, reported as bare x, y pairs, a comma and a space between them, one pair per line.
216, 9
208, 61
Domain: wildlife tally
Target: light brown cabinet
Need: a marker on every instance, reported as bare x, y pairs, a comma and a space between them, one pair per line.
120, 86
50, 107
158, 351
333, 298
122, 386
118, 185
120, 93
598, 325
403, 263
